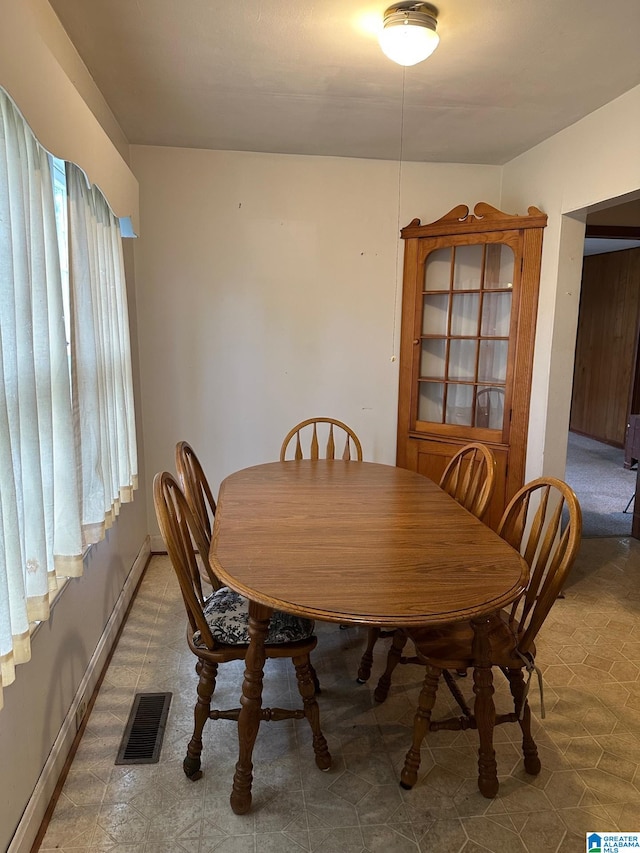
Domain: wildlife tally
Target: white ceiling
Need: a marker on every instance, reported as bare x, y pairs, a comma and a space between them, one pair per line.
308, 77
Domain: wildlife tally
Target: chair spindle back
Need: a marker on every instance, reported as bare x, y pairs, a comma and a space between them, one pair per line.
532, 523
470, 478
350, 441
195, 485
183, 535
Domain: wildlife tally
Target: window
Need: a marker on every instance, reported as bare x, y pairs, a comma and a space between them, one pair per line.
59, 178
67, 426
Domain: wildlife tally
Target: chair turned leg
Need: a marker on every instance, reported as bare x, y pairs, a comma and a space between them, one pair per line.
367, 658
314, 678
529, 749
393, 659
206, 686
422, 719
311, 710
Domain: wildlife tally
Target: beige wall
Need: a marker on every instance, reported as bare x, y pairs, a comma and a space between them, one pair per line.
38, 719
38, 67
288, 266
596, 159
58, 42
269, 294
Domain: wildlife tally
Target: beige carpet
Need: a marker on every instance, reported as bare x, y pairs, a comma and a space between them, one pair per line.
595, 472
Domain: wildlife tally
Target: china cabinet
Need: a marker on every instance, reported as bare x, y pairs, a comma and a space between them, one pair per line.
470, 296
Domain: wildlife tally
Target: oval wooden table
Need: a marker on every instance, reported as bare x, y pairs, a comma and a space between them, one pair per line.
361, 543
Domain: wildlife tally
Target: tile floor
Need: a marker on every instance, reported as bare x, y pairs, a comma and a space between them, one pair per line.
589, 744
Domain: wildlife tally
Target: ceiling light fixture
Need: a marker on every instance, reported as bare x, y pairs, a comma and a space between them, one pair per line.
409, 32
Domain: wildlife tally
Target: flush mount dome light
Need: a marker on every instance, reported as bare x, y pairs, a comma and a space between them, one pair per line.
409, 32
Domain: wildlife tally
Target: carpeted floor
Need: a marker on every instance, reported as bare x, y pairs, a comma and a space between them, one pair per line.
595, 472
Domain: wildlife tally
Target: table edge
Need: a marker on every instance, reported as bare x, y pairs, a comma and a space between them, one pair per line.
342, 617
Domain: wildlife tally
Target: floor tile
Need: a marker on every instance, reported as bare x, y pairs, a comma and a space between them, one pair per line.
589, 743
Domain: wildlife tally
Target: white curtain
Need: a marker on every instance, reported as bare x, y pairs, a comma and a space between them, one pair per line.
40, 536
101, 358
67, 428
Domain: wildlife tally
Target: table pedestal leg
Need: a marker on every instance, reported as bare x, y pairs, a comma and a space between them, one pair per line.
484, 708
251, 705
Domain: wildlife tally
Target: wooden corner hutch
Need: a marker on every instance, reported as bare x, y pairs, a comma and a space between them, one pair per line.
470, 297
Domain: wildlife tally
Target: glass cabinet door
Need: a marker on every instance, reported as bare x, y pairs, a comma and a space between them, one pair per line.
469, 309
464, 341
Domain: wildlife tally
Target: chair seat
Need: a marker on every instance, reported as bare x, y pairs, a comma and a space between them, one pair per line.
227, 613
450, 647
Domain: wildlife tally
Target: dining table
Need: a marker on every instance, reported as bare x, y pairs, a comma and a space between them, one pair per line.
358, 543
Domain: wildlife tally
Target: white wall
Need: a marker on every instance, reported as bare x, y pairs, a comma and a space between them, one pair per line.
32, 47
269, 294
596, 159
37, 717
269, 290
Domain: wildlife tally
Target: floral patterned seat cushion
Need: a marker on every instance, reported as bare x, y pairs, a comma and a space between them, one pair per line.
227, 613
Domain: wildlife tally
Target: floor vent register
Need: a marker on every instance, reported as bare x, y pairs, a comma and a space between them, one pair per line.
142, 739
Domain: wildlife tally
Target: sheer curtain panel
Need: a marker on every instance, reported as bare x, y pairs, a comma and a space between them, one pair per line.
100, 357
67, 428
40, 535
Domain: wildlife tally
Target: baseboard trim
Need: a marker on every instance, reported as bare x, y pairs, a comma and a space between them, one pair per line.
34, 813
157, 545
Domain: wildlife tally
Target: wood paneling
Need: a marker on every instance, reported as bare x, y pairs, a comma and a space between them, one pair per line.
606, 345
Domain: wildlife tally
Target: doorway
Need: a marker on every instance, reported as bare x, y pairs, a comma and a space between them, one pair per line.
606, 374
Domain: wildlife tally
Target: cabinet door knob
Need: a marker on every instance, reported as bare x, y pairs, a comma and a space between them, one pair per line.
417, 341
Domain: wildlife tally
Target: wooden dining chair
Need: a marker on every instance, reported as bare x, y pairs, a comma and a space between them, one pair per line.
307, 433
334, 429
197, 491
195, 486
470, 478
532, 524
217, 629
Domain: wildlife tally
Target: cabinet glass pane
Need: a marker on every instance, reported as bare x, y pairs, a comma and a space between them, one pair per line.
490, 408
433, 359
462, 359
496, 313
437, 270
499, 264
464, 313
492, 365
434, 315
430, 401
467, 270
459, 404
